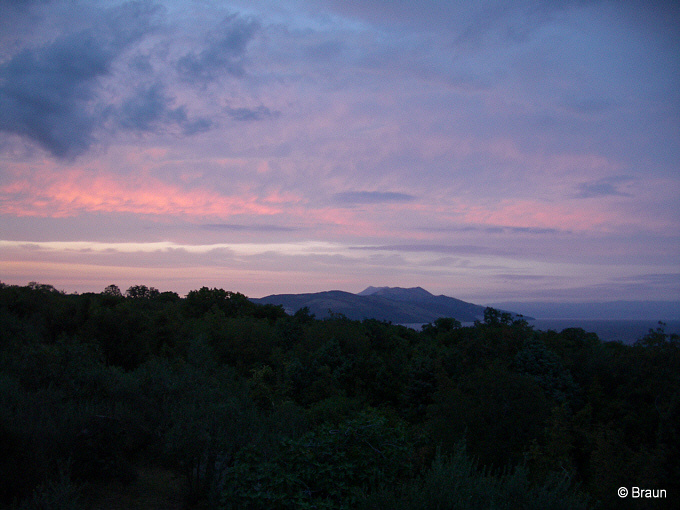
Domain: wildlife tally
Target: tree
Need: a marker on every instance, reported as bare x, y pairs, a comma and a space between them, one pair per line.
113, 291
231, 304
493, 317
497, 411
332, 467
441, 325
141, 292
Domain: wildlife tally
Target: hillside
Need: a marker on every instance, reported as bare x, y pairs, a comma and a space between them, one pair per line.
394, 304
118, 400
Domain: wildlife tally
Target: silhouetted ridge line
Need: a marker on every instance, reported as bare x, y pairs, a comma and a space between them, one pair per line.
394, 304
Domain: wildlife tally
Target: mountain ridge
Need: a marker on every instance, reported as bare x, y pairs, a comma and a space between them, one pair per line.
398, 293
598, 310
393, 304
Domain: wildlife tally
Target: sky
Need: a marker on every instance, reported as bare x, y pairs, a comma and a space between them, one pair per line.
491, 150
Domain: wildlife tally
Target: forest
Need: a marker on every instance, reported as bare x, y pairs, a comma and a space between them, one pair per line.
213, 401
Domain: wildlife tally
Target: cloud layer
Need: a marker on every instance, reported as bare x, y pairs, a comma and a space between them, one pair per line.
462, 148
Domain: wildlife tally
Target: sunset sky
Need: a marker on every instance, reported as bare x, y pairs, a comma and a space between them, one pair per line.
488, 150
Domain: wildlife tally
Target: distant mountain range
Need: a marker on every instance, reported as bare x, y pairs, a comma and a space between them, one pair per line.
609, 310
394, 304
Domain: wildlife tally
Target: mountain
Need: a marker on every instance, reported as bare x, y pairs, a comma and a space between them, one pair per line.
609, 310
394, 304
398, 293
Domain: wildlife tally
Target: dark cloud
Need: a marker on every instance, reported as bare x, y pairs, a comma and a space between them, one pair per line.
470, 23
506, 21
46, 92
603, 187
150, 107
18, 17
147, 107
371, 197
224, 54
249, 114
20, 4
130, 22
199, 125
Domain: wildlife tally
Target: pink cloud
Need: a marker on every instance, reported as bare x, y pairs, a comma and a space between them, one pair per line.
67, 193
535, 214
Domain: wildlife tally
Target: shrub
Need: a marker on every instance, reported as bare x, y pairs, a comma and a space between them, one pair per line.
456, 482
329, 468
59, 493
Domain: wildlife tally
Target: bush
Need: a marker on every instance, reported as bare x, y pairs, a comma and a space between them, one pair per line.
35, 433
499, 412
456, 482
329, 468
59, 493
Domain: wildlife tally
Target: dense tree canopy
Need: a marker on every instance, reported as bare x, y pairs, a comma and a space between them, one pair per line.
255, 408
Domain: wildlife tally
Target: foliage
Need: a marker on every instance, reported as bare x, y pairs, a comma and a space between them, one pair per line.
253, 408
537, 361
60, 493
498, 411
456, 482
331, 467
